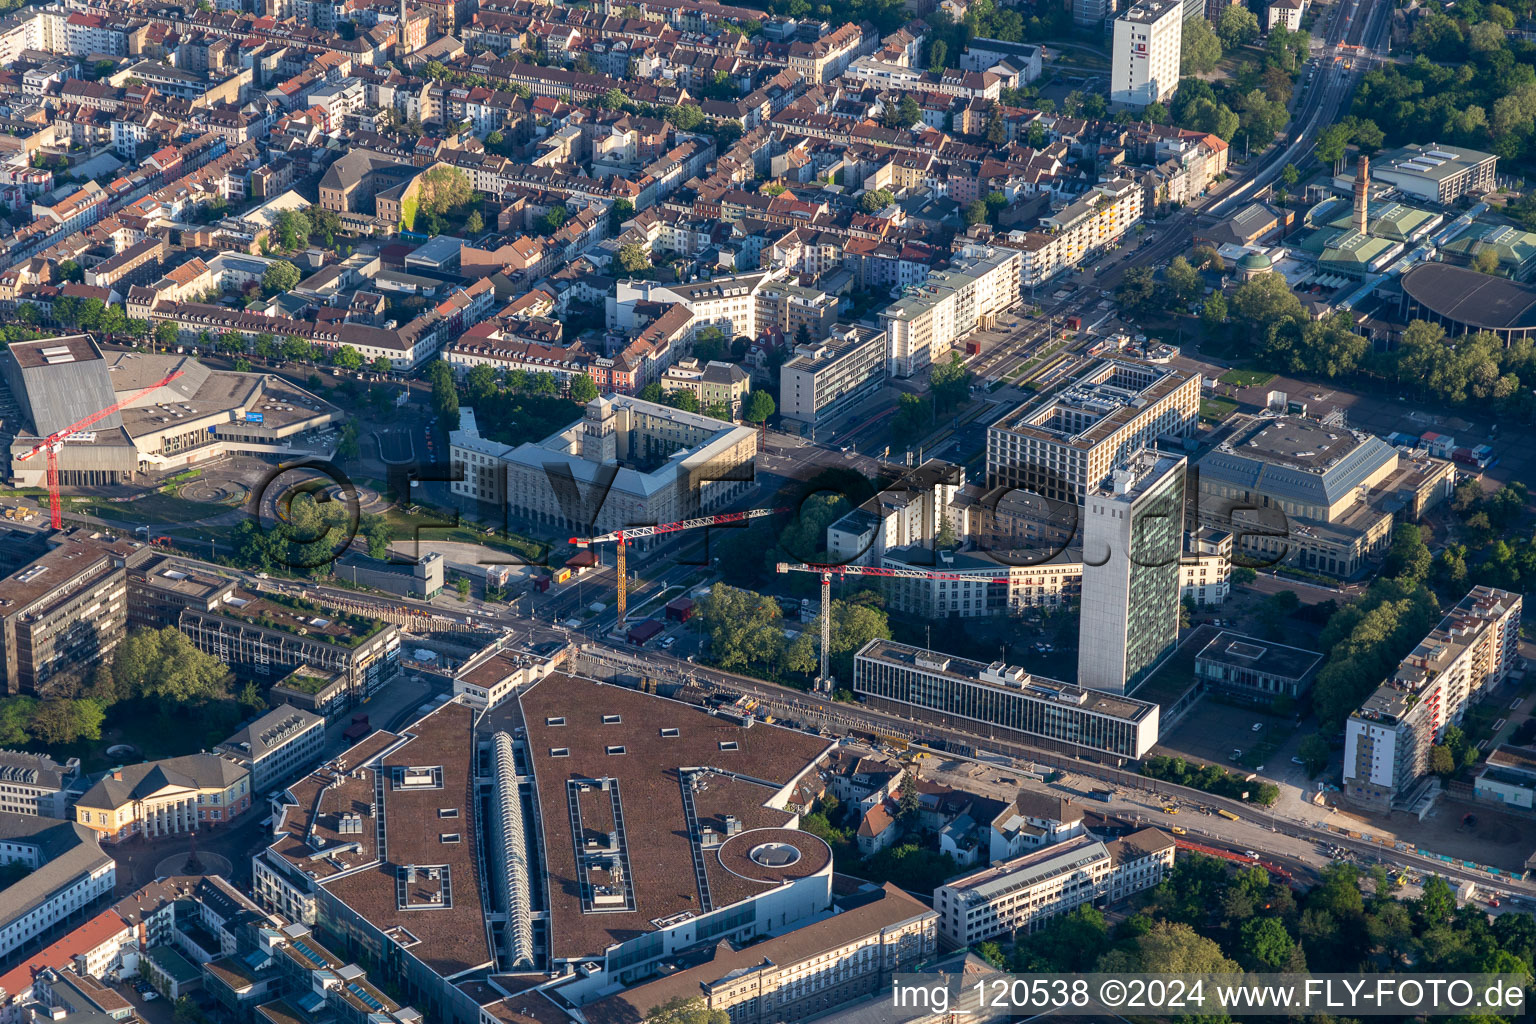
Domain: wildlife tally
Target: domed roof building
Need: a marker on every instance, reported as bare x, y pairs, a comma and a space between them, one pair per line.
1252, 265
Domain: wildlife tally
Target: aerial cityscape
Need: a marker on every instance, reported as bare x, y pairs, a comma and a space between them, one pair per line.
672, 512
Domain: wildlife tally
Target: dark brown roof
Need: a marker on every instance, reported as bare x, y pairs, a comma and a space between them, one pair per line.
650, 796
452, 939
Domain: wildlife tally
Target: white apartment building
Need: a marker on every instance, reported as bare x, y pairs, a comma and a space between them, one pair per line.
1471, 651
1021, 894
1205, 570
69, 872
1149, 41
731, 304
277, 746
1067, 237
36, 783
925, 324
1285, 12
830, 376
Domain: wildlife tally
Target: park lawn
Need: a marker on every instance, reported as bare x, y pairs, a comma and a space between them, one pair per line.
155, 507
1216, 409
1246, 378
426, 526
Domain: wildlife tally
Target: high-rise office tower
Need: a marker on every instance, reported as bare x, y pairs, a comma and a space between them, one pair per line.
1133, 530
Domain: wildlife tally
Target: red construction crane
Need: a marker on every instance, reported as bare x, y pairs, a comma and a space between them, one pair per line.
53, 442
624, 536
828, 571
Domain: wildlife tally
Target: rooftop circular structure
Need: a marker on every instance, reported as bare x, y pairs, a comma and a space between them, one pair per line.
1465, 301
1255, 261
774, 855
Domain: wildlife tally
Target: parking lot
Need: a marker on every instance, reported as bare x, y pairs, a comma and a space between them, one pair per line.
1210, 732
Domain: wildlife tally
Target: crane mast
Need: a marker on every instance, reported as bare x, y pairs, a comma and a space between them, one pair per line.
55, 441
824, 681
621, 539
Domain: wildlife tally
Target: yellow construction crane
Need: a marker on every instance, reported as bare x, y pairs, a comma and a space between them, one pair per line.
629, 533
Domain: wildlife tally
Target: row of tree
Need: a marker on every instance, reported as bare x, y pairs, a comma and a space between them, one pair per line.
1472, 84
747, 633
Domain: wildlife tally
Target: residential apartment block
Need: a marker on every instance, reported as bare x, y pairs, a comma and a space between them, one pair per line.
1148, 44
831, 376
1473, 650
923, 326
1022, 894
1068, 236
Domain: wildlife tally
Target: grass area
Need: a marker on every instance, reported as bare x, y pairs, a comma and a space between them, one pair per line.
1246, 378
1216, 409
656, 603
156, 508
430, 526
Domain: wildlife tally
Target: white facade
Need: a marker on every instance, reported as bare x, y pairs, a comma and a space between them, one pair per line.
69, 873
1285, 12
1021, 894
827, 377
1133, 533
1149, 43
924, 325
1067, 237
1387, 741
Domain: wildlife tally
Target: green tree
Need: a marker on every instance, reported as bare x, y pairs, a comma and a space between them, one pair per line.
745, 630
279, 277
445, 395
1171, 947
975, 213
685, 1010
1267, 946
583, 389
619, 212
1486, 261
938, 55
293, 229
443, 189
1313, 751
250, 699
163, 666
634, 258
949, 382
687, 401
1201, 49
876, 200
165, 334
347, 358
474, 224
1215, 311
1182, 279
1265, 300
1237, 26
758, 407
461, 585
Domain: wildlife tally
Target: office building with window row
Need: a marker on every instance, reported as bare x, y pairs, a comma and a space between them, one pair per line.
1001, 703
